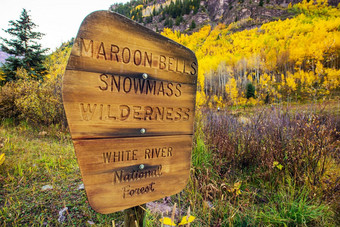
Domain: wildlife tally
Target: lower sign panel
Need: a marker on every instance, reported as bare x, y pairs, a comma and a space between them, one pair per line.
124, 172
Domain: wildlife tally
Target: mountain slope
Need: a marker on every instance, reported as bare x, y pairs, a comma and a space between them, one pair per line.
297, 58
190, 15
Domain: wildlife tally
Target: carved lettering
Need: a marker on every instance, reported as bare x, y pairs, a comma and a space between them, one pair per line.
137, 57
124, 112
162, 64
88, 111
133, 175
109, 115
148, 113
150, 87
130, 192
159, 113
127, 85
103, 78
101, 51
148, 59
186, 114
114, 52
86, 47
114, 112
179, 93
101, 111
138, 85
170, 92
126, 55
194, 68
169, 113
160, 88
177, 66
137, 113
119, 156
151, 153
170, 63
114, 83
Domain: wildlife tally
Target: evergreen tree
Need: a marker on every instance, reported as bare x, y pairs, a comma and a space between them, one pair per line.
178, 20
193, 24
250, 93
261, 3
171, 23
24, 49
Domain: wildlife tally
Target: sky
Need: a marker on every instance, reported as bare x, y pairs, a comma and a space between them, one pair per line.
59, 20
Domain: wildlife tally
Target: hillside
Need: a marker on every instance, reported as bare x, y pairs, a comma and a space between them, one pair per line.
190, 15
296, 59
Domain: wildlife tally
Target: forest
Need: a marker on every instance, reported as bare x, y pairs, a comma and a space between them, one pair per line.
266, 148
175, 9
296, 59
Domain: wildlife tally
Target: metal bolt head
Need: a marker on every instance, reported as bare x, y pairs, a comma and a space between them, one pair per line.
141, 166
145, 76
142, 131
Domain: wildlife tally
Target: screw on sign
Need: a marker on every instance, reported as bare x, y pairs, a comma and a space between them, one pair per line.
129, 97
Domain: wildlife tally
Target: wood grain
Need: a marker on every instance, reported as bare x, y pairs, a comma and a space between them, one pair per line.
93, 112
166, 161
129, 97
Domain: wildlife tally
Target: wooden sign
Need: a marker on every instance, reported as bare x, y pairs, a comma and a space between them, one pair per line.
129, 97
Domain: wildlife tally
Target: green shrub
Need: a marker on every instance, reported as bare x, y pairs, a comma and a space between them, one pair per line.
34, 101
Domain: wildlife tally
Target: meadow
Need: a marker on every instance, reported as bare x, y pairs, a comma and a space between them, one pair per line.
273, 165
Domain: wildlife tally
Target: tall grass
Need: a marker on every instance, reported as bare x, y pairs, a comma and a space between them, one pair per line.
305, 144
269, 167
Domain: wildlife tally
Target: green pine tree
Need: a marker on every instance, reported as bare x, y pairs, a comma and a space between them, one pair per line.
250, 93
178, 20
261, 3
193, 24
24, 49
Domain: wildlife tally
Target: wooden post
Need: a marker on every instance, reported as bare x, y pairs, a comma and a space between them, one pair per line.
134, 216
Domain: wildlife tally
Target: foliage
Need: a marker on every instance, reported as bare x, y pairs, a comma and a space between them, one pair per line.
36, 101
250, 91
193, 24
304, 144
296, 58
23, 48
261, 3
143, 10
274, 167
2, 158
2, 155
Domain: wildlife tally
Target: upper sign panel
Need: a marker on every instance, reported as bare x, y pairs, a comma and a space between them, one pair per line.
122, 77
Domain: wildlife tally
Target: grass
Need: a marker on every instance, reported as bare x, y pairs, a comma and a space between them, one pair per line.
34, 160
256, 167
